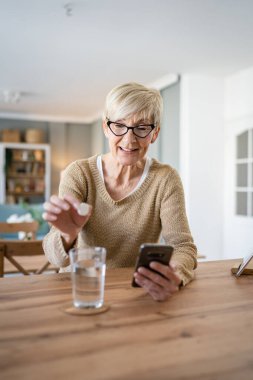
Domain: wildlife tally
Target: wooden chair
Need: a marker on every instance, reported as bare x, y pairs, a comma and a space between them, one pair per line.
30, 253
10, 228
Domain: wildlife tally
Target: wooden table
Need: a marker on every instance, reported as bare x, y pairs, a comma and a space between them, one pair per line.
203, 332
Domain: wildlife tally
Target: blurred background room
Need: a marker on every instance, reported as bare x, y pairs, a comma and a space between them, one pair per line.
59, 60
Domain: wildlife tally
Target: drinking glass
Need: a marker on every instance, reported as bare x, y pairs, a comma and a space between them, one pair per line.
88, 276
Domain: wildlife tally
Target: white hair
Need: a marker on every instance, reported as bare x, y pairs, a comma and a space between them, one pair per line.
134, 100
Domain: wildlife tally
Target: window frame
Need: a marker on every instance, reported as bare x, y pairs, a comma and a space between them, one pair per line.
249, 162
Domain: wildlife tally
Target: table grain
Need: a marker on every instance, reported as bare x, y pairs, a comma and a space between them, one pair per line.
205, 331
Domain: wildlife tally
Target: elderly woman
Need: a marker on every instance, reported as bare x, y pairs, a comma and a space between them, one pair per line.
133, 198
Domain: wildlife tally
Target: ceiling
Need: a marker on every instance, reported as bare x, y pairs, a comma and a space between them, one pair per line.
58, 59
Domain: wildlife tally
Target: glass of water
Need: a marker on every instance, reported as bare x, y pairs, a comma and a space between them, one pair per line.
88, 276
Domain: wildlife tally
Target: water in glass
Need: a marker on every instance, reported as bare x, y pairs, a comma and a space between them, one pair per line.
88, 276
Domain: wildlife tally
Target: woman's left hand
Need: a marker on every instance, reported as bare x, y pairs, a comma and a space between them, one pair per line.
159, 287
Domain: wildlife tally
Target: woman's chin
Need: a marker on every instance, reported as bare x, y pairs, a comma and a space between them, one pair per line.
125, 158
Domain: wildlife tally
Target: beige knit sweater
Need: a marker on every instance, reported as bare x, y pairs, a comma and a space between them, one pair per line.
156, 207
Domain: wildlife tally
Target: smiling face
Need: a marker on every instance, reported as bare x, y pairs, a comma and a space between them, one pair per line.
129, 149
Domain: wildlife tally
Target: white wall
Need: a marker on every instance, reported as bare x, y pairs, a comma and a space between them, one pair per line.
169, 139
238, 233
202, 159
57, 140
239, 95
97, 138
69, 142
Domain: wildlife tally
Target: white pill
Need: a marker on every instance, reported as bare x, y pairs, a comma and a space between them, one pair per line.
83, 209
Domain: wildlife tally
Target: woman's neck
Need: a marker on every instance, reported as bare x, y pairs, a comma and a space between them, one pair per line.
121, 173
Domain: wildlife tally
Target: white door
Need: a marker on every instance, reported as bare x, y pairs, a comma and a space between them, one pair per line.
238, 231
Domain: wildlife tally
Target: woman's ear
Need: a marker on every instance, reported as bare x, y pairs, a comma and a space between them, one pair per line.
155, 135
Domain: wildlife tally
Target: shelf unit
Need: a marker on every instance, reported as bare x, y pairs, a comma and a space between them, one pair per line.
25, 173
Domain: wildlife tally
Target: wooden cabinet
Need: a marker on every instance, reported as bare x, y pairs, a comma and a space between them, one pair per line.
25, 172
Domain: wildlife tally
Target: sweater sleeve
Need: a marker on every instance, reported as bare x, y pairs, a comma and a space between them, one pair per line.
72, 182
175, 228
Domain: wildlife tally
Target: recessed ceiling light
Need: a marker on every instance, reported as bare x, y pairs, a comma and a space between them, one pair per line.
68, 9
10, 96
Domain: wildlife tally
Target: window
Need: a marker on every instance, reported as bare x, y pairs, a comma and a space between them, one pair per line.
244, 173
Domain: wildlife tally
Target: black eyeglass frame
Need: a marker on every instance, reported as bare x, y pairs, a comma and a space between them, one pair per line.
109, 122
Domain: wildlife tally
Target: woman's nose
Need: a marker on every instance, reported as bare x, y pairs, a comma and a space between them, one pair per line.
129, 136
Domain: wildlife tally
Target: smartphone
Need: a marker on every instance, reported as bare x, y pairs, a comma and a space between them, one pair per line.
152, 252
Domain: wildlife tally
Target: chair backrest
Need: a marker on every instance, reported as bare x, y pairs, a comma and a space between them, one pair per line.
10, 228
12, 249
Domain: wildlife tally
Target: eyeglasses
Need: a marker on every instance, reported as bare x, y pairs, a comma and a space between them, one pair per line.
142, 130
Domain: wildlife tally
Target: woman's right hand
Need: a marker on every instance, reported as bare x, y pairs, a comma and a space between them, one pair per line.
63, 214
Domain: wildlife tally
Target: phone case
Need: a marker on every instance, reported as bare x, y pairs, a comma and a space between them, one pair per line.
152, 252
